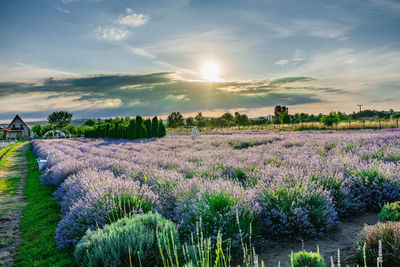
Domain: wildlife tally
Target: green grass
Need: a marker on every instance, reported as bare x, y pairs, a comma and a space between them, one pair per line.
9, 186
38, 223
7, 152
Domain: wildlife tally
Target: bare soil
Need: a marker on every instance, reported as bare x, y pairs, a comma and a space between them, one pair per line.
343, 238
11, 205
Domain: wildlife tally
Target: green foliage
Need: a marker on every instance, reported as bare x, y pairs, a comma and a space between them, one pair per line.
190, 121
329, 120
307, 259
390, 212
389, 234
126, 241
154, 127
175, 119
37, 129
161, 129
59, 119
90, 122
126, 205
38, 223
147, 124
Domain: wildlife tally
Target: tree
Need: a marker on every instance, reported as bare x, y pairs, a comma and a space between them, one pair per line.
329, 120
190, 121
147, 124
139, 131
154, 127
200, 120
90, 122
228, 117
281, 115
175, 119
161, 129
59, 119
241, 119
37, 129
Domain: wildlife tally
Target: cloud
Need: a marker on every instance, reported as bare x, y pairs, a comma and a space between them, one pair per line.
133, 20
62, 10
321, 28
152, 94
141, 52
119, 32
282, 62
111, 33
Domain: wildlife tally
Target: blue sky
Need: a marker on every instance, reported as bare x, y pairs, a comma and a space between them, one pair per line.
115, 58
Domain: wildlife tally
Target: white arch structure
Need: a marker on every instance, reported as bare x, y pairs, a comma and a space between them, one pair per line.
57, 134
194, 131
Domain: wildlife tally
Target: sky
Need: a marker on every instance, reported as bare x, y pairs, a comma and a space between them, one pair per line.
103, 58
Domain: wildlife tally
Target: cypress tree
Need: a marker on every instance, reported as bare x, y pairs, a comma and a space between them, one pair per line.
143, 131
161, 129
154, 127
139, 121
147, 124
131, 130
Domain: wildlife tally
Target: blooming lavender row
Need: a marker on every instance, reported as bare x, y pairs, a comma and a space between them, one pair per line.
295, 184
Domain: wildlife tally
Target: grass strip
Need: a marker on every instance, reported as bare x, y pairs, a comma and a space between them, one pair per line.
38, 224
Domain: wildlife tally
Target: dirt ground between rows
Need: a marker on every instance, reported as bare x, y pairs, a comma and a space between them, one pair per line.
11, 205
343, 238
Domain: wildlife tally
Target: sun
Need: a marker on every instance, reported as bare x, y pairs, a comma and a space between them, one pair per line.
210, 72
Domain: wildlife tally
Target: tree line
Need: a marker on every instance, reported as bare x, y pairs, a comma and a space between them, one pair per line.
119, 128
281, 116
127, 128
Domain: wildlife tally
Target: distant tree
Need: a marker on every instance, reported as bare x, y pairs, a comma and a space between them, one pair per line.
200, 120
147, 124
139, 131
72, 129
228, 117
175, 119
90, 122
59, 119
154, 127
329, 120
190, 121
241, 119
37, 129
281, 115
161, 131
131, 131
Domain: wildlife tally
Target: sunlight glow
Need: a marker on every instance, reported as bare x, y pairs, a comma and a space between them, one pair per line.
210, 72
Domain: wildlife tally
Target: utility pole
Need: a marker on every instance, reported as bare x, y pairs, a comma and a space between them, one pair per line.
360, 105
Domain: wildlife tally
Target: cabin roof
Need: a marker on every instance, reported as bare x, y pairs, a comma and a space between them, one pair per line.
18, 117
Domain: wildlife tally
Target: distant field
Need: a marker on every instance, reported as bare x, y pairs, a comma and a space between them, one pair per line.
286, 185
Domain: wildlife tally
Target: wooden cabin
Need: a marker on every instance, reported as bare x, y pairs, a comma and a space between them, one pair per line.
16, 129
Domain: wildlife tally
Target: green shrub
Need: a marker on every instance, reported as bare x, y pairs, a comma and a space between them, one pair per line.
131, 239
390, 212
389, 234
307, 259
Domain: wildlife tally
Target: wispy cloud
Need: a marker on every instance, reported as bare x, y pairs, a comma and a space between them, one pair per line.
325, 29
62, 10
111, 33
297, 58
133, 19
141, 52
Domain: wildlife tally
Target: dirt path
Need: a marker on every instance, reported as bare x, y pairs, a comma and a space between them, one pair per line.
343, 239
12, 183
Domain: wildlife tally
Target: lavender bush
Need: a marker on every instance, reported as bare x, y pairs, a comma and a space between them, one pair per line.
289, 184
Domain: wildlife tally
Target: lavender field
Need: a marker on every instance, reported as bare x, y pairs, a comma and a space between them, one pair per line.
277, 185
